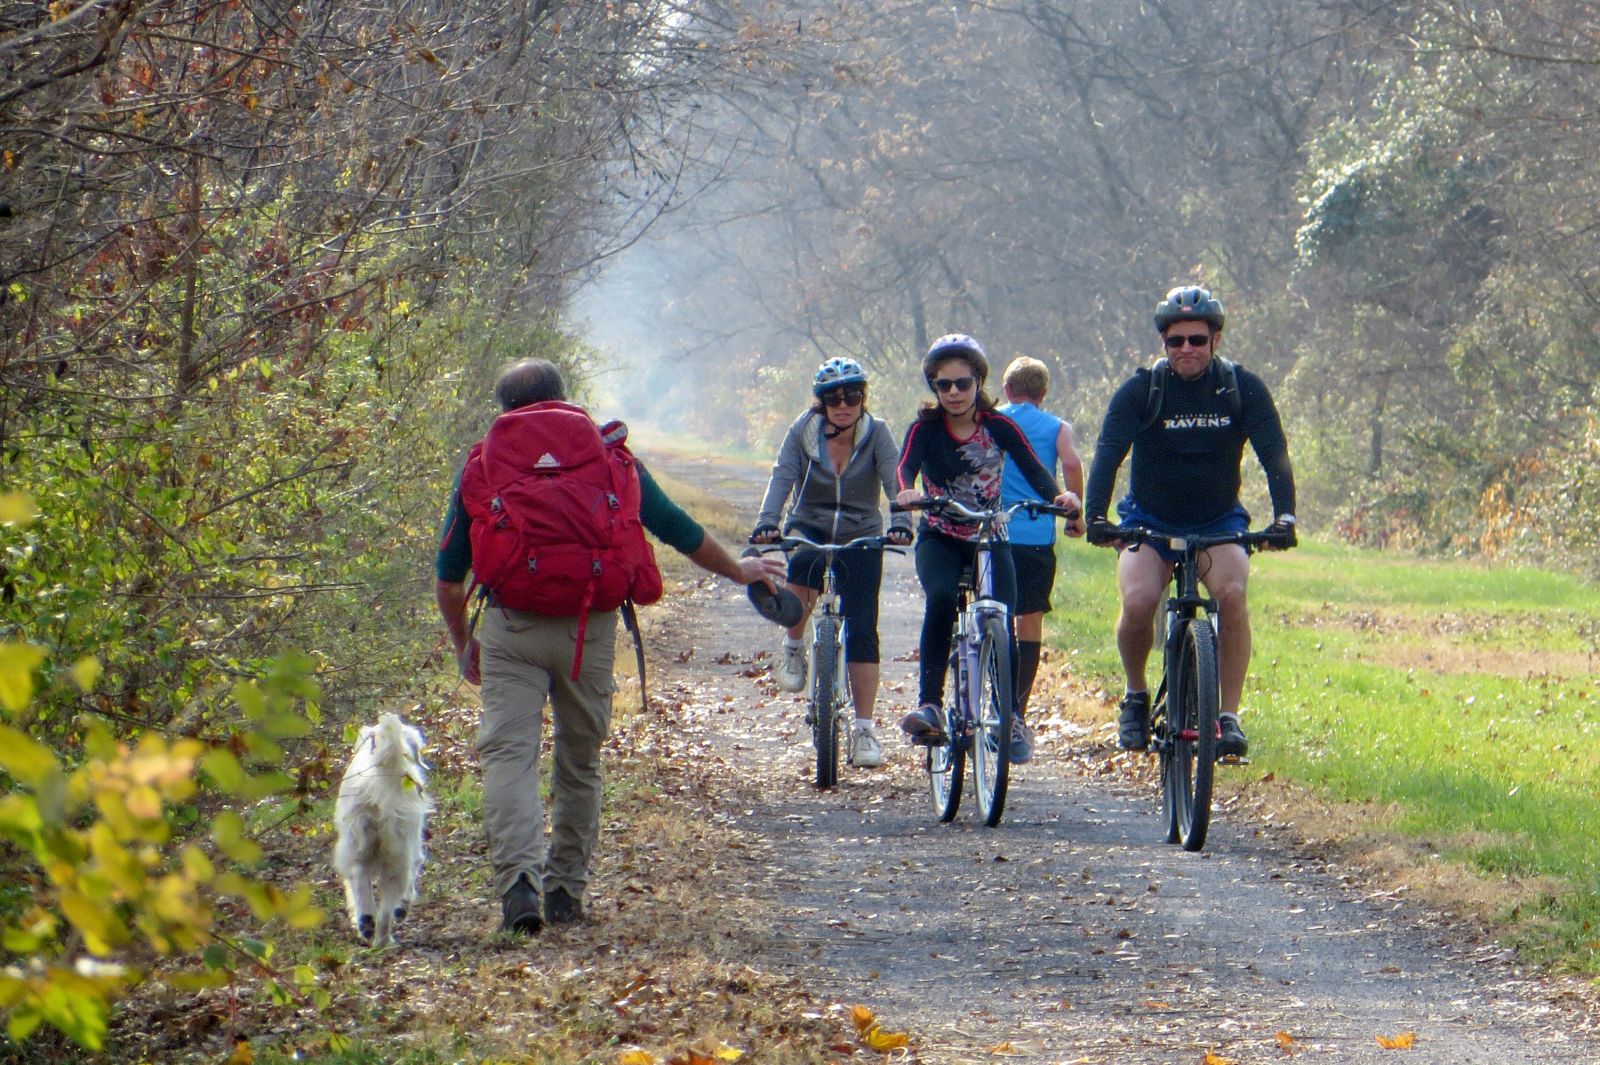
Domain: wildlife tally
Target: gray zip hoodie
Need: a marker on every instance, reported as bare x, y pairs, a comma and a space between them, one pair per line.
838, 506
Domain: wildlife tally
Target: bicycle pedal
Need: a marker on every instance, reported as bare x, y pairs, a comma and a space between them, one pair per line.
1232, 759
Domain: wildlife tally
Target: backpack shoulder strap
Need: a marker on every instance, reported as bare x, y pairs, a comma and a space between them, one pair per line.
1155, 395
1228, 385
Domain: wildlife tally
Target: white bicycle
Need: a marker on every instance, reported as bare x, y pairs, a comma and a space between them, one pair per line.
830, 679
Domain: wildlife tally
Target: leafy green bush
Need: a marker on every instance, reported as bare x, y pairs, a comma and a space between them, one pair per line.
112, 885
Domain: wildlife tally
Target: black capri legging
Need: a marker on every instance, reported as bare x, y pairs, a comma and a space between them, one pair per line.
860, 573
940, 559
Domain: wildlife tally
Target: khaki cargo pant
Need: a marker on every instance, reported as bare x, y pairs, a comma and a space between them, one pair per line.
527, 660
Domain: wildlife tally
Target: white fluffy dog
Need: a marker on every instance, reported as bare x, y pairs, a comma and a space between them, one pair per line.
381, 816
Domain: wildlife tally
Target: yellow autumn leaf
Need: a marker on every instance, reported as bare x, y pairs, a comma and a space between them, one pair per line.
1285, 1040
727, 1053
242, 1054
16, 508
862, 1018
1402, 1041
17, 663
1216, 1059
85, 671
26, 759
636, 1057
883, 1041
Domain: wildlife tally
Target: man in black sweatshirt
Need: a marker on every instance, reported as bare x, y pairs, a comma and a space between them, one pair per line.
1186, 421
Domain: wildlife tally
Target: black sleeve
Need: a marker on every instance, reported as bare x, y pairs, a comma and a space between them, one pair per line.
1124, 419
1014, 442
911, 455
1265, 430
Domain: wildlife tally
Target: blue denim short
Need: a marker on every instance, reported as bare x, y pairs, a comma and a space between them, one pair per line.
1234, 520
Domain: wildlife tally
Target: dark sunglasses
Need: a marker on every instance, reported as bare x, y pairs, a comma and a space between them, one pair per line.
953, 384
849, 397
1178, 340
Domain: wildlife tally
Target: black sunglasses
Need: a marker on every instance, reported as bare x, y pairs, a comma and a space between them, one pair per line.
957, 384
1178, 340
847, 396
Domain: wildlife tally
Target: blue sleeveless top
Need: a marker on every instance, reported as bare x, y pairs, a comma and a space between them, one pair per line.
1041, 429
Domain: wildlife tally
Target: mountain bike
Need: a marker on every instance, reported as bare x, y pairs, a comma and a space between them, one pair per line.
1183, 716
977, 717
831, 726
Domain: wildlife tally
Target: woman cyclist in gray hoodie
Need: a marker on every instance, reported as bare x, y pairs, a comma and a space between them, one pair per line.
836, 466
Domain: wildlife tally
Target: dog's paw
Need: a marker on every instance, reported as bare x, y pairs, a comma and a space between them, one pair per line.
366, 927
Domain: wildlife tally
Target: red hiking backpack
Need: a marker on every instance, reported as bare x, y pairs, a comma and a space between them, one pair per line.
554, 503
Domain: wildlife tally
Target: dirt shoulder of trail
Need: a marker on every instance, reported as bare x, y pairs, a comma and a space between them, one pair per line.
1073, 933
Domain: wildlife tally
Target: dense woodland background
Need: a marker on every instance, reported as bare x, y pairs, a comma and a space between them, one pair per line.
260, 260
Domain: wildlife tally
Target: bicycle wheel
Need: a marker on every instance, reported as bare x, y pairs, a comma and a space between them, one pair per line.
991, 737
824, 671
947, 763
1161, 742
1194, 746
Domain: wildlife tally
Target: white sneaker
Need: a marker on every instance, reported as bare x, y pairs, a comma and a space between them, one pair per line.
791, 671
865, 750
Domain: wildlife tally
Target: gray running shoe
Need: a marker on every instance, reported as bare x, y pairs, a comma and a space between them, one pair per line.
865, 750
1021, 742
791, 671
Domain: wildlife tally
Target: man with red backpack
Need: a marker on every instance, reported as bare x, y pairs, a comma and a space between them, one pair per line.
549, 516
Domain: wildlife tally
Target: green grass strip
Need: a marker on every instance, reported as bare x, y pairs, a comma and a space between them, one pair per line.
1460, 696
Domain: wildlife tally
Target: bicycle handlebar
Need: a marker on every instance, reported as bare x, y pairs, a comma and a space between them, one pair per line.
955, 508
791, 542
1134, 536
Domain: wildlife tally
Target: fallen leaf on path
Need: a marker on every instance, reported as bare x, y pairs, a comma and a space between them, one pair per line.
636, 1057
883, 1041
1286, 1043
1402, 1041
1216, 1059
867, 1027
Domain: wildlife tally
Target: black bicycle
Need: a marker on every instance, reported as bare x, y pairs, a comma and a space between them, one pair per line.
978, 713
1183, 717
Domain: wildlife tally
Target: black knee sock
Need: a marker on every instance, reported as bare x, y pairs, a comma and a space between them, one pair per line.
1027, 668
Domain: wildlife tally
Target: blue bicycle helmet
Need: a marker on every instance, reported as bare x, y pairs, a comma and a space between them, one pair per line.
835, 372
956, 345
1189, 303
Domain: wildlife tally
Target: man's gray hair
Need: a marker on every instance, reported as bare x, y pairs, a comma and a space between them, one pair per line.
528, 381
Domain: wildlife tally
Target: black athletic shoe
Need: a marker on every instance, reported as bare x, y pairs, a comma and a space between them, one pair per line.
1231, 743
520, 909
561, 908
1133, 723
